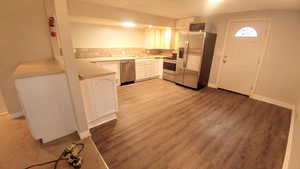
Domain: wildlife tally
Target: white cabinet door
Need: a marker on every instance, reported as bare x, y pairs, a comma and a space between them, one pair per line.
158, 38
155, 67
100, 99
158, 67
140, 73
140, 70
148, 68
104, 97
87, 95
112, 66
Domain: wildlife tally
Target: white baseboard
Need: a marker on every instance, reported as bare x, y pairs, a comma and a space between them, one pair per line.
292, 124
102, 120
273, 101
84, 134
288, 150
149, 78
212, 85
3, 113
100, 156
16, 115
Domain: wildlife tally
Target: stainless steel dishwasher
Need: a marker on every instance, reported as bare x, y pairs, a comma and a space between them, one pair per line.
127, 70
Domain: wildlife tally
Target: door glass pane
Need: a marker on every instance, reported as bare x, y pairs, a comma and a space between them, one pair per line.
246, 32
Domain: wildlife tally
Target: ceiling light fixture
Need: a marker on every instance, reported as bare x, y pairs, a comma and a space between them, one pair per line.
128, 24
214, 1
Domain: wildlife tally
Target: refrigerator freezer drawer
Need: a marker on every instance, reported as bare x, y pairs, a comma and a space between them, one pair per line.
169, 76
179, 76
191, 78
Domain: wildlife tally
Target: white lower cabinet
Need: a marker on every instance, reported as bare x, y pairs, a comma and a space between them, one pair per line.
148, 68
112, 66
47, 104
144, 68
100, 99
158, 67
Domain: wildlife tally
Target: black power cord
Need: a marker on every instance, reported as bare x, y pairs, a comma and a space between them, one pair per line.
68, 154
42, 164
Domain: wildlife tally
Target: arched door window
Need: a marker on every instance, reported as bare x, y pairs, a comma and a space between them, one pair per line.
246, 32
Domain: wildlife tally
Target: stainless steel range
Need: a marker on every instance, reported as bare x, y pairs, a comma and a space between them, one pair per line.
169, 69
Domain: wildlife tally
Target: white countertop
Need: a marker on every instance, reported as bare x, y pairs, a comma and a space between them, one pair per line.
87, 70
110, 59
38, 68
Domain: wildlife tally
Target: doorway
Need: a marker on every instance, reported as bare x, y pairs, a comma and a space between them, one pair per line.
3, 108
244, 47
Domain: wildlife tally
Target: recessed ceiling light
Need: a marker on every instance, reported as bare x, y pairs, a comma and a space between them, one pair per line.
214, 1
128, 24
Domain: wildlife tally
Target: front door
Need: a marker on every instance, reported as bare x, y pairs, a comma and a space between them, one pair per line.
244, 47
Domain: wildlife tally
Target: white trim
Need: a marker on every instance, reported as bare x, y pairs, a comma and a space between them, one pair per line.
16, 115
94, 145
273, 101
3, 113
212, 85
104, 119
288, 150
84, 134
149, 78
266, 41
261, 58
223, 53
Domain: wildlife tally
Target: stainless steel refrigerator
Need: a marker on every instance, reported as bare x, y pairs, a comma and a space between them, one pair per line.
195, 54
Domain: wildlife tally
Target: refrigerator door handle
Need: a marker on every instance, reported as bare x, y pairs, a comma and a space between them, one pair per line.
186, 54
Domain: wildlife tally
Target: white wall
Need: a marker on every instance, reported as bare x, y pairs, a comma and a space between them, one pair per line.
280, 69
101, 36
86, 9
24, 37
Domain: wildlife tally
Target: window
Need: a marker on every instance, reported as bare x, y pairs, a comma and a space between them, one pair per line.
246, 32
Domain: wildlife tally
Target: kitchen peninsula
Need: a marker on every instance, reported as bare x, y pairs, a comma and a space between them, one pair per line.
49, 102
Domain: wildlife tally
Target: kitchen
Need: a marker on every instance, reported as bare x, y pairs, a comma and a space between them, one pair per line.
111, 53
179, 56
135, 85
153, 54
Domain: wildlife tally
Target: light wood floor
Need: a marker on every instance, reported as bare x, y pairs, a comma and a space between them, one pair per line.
164, 126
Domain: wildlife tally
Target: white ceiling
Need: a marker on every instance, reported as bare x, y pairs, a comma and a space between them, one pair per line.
187, 8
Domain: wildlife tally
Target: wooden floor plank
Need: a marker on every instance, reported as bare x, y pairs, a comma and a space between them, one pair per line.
164, 126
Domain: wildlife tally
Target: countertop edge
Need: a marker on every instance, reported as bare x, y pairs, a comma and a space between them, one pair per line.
37, 68
112, 59
37, 75
81, 77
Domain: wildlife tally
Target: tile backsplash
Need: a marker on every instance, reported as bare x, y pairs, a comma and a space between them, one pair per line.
118, 52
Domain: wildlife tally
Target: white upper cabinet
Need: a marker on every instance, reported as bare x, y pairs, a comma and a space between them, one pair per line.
158, 38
